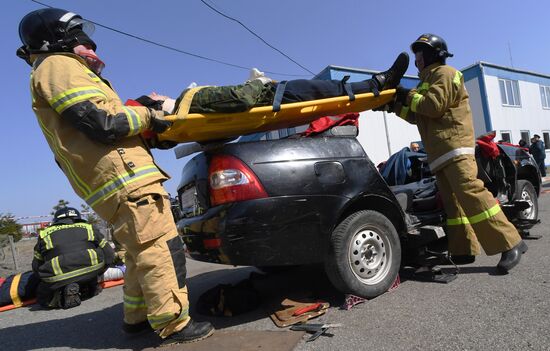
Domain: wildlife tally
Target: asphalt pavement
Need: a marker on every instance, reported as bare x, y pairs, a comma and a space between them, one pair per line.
479, 310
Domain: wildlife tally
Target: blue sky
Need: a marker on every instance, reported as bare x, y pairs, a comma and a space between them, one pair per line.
358, 34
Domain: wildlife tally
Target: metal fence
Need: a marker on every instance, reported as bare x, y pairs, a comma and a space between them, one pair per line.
8, 253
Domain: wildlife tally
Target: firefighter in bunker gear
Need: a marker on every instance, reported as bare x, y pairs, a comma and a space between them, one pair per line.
439, 106
96, 142
69, 258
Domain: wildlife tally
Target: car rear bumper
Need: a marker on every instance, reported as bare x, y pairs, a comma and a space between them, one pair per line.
276, 231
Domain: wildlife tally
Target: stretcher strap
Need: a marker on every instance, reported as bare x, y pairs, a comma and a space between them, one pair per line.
347, 88
14, 294
279, 92
185, 103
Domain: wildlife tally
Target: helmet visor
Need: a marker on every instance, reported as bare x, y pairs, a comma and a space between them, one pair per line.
86, 26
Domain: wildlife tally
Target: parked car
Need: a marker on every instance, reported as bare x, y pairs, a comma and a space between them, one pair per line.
297, 200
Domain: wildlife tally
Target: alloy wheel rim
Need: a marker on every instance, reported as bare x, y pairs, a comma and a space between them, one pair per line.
528, 213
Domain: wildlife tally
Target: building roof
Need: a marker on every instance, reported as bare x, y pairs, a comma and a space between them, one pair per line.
327, 70
505, 68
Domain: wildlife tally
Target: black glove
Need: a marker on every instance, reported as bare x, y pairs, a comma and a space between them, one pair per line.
155, 143
148, 102
158, 124
401, 94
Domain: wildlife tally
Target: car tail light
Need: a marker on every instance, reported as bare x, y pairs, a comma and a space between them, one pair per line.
211, 244
231, 180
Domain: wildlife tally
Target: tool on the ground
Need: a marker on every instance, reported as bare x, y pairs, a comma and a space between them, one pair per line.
313, 307
290, 312
317, 329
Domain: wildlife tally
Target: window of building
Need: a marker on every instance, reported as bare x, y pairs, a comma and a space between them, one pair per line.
546, 138
509, 92
545, 96
506, 136
525, 136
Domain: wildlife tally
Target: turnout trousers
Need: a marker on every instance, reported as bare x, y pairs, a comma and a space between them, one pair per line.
154, 281
473, 215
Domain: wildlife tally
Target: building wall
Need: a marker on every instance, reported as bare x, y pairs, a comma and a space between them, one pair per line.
474, 91
375, 140
530, 116
372, 128
487, 110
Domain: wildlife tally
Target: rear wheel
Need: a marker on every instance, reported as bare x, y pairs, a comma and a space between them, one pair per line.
526, 191
365, 255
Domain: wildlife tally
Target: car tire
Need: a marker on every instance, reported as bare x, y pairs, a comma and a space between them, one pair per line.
526, 191
364, 255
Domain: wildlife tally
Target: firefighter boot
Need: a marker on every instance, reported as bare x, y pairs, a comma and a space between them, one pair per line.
510, 258
70, 296
193, 331
137, 329
463, 259
390, 79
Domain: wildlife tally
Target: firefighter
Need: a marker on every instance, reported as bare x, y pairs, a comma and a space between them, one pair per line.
439, 106
69, 257
96, 142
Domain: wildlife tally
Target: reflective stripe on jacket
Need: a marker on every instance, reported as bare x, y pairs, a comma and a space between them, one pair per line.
440, 107
94, 137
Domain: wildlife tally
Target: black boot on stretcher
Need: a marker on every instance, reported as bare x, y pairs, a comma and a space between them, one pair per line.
390, 79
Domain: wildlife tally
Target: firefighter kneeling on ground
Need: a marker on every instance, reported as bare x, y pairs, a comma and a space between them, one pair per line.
440, 107
69, 257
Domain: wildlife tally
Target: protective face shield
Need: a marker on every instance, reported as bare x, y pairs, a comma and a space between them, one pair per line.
419, 60
77, 22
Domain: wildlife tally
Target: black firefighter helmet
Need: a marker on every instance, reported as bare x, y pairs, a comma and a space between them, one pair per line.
433, 47
67, 215
53, 30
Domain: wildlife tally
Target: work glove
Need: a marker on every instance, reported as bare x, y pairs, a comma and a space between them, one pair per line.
151, 103
157, 123
401, 94
155, 143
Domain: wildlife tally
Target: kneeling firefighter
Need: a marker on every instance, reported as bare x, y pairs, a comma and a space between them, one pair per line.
69, 257
440, 107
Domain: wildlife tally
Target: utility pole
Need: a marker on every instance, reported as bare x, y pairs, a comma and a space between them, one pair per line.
387, 133
510, 53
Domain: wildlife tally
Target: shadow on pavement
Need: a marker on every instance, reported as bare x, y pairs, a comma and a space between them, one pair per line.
97, 330
410, 274
304, 282
100, 329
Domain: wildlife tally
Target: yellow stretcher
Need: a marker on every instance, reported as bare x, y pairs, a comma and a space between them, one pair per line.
217, 126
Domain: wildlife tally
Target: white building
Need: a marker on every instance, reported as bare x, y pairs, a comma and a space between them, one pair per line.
513, 102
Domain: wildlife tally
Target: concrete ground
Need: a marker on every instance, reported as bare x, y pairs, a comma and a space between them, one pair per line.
480, 310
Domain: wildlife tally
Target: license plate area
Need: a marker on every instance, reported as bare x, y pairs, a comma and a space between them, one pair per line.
189, 202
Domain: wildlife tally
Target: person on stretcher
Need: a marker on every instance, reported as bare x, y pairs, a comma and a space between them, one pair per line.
262, 91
